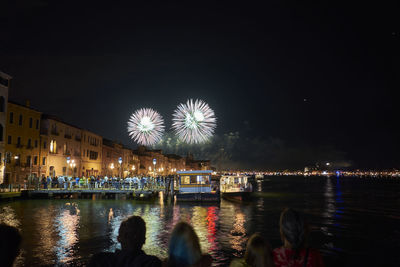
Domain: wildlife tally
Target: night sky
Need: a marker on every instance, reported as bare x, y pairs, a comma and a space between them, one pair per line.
291, 83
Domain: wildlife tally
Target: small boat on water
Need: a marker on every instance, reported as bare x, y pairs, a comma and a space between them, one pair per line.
196, 186
236, 188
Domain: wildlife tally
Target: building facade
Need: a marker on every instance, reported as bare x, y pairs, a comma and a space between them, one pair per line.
22, 148
5, 81
91, 152
61, 143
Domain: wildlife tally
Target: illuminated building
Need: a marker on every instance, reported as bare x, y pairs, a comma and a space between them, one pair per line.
111, 154
22, 146
62, 144
91, 147
5, 81
192, 164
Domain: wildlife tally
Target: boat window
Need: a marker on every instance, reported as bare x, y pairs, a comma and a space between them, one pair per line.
185, 179
203, 179
193, 179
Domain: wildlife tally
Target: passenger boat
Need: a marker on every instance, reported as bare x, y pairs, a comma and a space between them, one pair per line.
236, 188
196, 186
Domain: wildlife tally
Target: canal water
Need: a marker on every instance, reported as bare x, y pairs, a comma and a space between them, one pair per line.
354, 222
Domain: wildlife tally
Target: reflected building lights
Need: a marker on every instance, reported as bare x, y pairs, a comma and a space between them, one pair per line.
67, 224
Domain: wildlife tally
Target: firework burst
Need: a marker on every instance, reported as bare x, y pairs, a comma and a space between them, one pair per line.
194, 122
146, 126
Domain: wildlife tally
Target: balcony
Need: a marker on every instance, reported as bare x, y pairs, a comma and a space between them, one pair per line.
54, 133
78, 138
68, 136
29, 147
19, 146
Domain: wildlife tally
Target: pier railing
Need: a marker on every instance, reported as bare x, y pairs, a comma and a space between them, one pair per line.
72, 186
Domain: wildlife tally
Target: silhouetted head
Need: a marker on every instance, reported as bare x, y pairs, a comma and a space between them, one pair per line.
258, 252
184, 246
292, 228
10, 241
132, 233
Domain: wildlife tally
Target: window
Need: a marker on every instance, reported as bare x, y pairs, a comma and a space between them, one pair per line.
44, 144
93, 155
29, 143
44, 161
1, 132
2, 103
30, 122
193, 179
36, 143
53, 146
18, 141
11, 117
65, 148
64, 170
20, 120
35, 158
185, 179
9, 140
37, 124
87, 153
17, 160
28, 160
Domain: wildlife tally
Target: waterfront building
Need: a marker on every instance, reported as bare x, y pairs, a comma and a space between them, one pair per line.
152, 162
130, 163
192, 164
91, 148
5, 81
61, 144
175, 163
110, 160
22, 146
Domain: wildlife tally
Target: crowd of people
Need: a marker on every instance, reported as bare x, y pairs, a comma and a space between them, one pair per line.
184, 247
94, 182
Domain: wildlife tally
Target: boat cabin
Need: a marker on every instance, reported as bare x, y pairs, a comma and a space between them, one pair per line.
194, 181
235, 184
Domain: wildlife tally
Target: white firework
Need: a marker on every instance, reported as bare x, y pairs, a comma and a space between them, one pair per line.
194, 122
146, 126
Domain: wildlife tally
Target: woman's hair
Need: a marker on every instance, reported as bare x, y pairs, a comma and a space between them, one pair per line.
293, 229
184, 246
258, 252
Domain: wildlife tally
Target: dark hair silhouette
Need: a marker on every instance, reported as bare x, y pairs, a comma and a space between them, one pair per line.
258, 252
10, 241
132, 233
292, 228
184, 246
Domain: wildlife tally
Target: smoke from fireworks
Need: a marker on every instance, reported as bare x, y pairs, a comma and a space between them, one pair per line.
194, 122
146, 126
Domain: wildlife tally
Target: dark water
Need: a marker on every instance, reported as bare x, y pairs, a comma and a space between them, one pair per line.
355, 222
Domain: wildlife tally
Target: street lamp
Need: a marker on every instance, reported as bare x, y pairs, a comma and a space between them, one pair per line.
154, 163
120, 167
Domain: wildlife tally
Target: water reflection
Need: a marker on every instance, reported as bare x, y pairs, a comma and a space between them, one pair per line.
67, 224
57, 232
